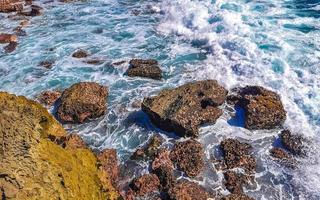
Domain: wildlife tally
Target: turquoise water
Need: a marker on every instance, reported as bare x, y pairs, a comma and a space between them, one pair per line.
274, 43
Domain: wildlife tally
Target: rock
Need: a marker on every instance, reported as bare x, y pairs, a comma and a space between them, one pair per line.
144, 68
109, 163
119, 63
237, 197
48, 98
263, 108
10, 47
186, 190
19, 31
94, 62
34, 167
237, 154
82, 101
279, 153
185, 108
7, 38
234, 182
188, 156
7, 6
294, 143
145, 184
149, 150
80, 54
71, 141
46, 64
162, 159
35, 11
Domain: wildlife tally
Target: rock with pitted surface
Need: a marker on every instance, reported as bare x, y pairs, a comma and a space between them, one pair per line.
237, 197
108, 161
7, 6
149, 150
10, 47
145, 184
48, 98
279, 153
185, 108
35, 167
234, 182
144, 68
186, 190
82, 101
263, 108
294, 143
7, 38
46, 64
188, 157
237, 154
80, 54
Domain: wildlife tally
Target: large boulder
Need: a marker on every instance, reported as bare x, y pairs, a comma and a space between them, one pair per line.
188, 157
145, 184
11, 5
186, 190
263, 108
82, 101
32, 166
294, 143
144, 68
185, 108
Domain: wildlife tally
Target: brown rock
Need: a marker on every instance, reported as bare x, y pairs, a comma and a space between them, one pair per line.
82, 101
7, 38
35, 11
10, 47
145, 184
185, 108
94, 62
263, 108
237, 197
234, 182
80, 54
46, 64
185, 190
149, 150
19, 31
294, 143
188, 156
162, 159
7, 6
109, 162
144, 68
119, 63
48, 98
279, 153
237, 154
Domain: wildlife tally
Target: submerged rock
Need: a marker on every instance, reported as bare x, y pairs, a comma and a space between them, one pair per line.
144, 68
186, 190
279, 153
237, 154
10, 47
80, 54
48, 98
145, 184
188, 156
82, 101
185, 108
35, 167
294, 143
237, 197
149, 150
46, 64
263, 108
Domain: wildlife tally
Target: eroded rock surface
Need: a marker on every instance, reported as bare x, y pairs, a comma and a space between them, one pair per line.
82, 101
80, 54
294, 143
149, 150
145, 184
237, 197
11, 5
185, 108
144, 68
48, 98
32, 166
186, 190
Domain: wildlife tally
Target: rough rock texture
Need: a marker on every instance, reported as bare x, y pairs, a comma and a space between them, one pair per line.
294, 143
34, 167
237, 197
234, 182
188, 156
144, 68
237, 154
46, 64
35, 10
263, 108
109, 162
48, 98
185, 190
11, 5
279, 153
149, 150
7, 38
82, 101
145, 184
80, 54
185, 108
162, 158
10, 47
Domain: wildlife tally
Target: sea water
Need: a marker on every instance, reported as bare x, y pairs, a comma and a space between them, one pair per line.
271, 43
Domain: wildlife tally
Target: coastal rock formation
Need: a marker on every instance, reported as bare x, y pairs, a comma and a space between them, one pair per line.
145, 184
188, 156
108, 161
80, 54
149, 150
294, 143
144, 68
185, 108
234, 182
11, 5
10, 47
188, 190
7, 38
33, 166
237, 154
279, 153
263, 108
46, 64
48, 98
237, 197
82, 101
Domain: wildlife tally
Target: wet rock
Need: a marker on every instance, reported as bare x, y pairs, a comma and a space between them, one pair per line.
7, 38
234, 182
108, 160
35, 11
34, 167
237, 154
10, 47
46, 64
80, 54
145, 184
82, 101
294, 143
19, 31
263, 108
162, 159
48, 98
279, 153
149, 150
237, 197
186, 190
188, 156
7, 6
94, 62
119, 63
185, 108
71, 141
144, 68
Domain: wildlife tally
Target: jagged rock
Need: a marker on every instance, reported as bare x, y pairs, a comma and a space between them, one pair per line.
263, 108
7, 6
234, 182
80, 54
35, 11
144, 68
294, 143
109, 163
46, 64
94, 61
188, 156
82, 101
145, 184
7, 38
162, 159
149, 150
10, 47
237, 154
186, 190
185, 108
48, 98
237, 197
34, 167
279, 153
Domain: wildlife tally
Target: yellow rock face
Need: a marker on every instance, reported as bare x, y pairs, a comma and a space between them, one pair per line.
33, 167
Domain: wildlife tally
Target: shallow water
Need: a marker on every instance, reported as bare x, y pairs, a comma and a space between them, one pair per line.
275, 44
